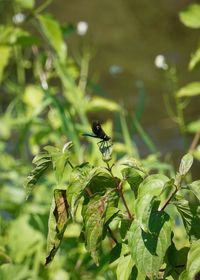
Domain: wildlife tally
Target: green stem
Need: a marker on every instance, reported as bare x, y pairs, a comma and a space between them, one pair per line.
119, 190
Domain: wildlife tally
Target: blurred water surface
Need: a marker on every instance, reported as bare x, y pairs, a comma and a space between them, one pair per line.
126, 37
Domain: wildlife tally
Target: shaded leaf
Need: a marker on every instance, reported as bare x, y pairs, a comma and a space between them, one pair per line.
57, 223
94, 218
53, 33
148, 249
186, 163
133, 177
191, 16
190, 214
192, 89
166, 193
148, 190
195, 188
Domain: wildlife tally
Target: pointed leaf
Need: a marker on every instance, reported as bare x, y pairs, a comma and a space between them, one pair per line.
194, 59
195, 188
124, 267
53, 33
166, 193
193, 263
148, 249
42, 162
57, 223
190, 214
186, 163
94, 218
192, 89
133, 177
191, 16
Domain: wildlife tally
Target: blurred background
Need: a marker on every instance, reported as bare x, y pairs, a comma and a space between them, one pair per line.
125, 38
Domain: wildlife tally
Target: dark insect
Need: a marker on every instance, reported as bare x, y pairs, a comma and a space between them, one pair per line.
98, 132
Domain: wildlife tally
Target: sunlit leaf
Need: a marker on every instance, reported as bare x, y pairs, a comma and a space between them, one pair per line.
4, 58
53, 33
57, 223
194, 59
26, 4
192, 89
191, 16
99, 103
194, 126
124, 267
148, 249
186, 163
193, 263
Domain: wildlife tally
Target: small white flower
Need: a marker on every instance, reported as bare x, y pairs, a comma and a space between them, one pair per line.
18, 18
82, 28
160, 62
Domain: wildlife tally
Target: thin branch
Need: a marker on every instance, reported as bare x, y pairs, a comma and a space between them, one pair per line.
119, 190
194, 141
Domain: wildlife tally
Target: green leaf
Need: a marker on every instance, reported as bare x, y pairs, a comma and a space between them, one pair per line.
133, 177
124, 267
186, 163
153, 185
59, 159
26, 4
4, 58
150, 188
42, 162
136, 164
194, 126
80, 178
191, 16
57, 223
166, 193
15, 271
53, 33
194, 59
195, 188
99, 103
94, 218
193, 263
148, 249
190, 214
192, 89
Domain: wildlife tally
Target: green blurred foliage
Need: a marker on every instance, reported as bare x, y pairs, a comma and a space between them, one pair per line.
46, 100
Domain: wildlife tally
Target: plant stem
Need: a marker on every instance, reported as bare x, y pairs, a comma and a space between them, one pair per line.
119, 190
194, 141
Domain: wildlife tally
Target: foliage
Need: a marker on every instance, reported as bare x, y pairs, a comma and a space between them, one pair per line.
116, 219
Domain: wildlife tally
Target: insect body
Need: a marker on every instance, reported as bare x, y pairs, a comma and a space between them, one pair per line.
98, 132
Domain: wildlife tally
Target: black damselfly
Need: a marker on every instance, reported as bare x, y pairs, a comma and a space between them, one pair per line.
100, 134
